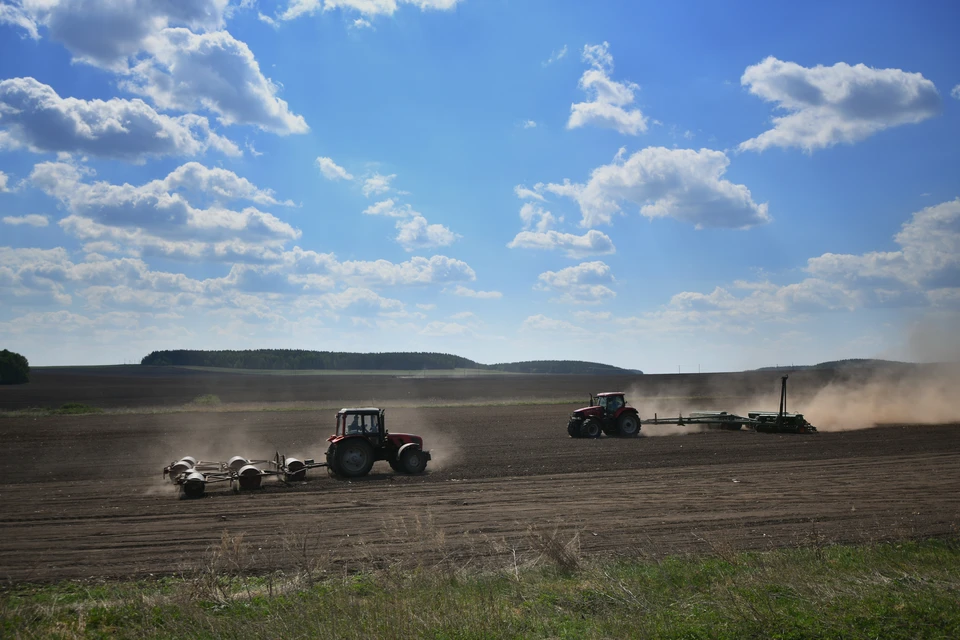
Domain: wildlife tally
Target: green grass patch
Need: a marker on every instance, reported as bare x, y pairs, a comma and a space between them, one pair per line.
207, 400
892, 590
74, 409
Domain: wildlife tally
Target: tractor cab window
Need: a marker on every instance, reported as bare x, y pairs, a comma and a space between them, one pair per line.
611, 404
372, 425
354, 424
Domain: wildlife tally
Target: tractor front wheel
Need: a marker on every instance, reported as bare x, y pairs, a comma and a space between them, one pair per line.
412, 461
590, 429
573, 428
629, 425
353, 458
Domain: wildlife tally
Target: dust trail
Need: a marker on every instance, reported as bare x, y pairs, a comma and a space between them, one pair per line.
927, 397
443, 445
656, 430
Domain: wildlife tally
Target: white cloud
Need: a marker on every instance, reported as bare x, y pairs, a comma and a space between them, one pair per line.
535, 216
440, 329
426, 307
529, 124
377, 184
12, 14
413, 230
331, 170
592, 243
955, 92
839, 104
416, 233
524, 193
608, 99
390, 209
108, 32
559, 54
157, 217
173, 52
214, 71
362, 23
585, 283
32, 220
467, 292
34, 116
678, 183
297, 8
3, 182
417, 271
542, 324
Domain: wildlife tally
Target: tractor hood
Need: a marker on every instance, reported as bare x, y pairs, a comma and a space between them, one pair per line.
588, 411
400, 439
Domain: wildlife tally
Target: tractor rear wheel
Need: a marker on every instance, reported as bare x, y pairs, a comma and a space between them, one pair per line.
628, 425
590, 429
354, 458
412, 461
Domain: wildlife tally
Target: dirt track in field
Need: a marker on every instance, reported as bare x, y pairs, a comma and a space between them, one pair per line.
82, 496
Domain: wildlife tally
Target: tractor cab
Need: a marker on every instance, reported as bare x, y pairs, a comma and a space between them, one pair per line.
610, 402
367, 422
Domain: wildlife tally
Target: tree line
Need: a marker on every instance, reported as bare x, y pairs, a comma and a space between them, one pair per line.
299, 359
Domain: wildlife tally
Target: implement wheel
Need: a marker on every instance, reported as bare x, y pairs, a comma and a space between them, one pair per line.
590, 429
628, 425
354, 458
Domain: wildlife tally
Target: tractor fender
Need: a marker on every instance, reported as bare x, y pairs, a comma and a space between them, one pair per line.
415, 446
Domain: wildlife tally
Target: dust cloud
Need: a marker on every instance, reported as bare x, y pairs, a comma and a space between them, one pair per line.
443, 445
923, 397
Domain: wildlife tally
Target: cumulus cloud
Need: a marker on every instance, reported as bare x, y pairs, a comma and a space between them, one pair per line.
31, 220
683, 184
542, 324
417, 271
839, 104
924, 273
538, 233
32, 115
16, 16
158, 215
524, 193
955, 92
369, 8
4, 178
377, 184
176, 53
413, 230
331, 170
416, 233
214, 71
608, 99
467, 292
592, 243
585, 283
529, 124
108, 32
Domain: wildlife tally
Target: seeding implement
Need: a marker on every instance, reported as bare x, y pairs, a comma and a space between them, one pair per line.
609, 414
360, 439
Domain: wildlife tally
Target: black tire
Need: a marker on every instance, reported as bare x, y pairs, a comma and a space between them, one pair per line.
628, 426
412, 461
573, 428
353, 458
590, 429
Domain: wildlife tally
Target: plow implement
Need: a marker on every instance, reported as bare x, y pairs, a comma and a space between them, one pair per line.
194, 475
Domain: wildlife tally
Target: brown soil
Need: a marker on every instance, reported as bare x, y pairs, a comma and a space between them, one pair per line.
82, 496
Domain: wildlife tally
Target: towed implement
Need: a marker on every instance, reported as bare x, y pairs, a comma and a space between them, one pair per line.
360, 439
609, 414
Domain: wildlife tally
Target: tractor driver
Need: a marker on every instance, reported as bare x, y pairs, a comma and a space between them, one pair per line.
613, 404
355, 426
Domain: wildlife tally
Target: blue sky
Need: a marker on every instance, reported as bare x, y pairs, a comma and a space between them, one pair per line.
691, 184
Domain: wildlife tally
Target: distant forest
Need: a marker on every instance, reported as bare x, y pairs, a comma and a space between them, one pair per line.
298, 359
851, 363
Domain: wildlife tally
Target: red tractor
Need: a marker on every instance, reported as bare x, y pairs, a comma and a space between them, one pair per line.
608, 413
362, 438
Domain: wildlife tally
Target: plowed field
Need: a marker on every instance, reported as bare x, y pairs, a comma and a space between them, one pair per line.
82, 496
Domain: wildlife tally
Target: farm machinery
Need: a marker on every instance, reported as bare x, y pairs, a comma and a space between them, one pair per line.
609, 414
360, 439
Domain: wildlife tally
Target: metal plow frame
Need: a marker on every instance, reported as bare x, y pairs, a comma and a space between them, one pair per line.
193, 476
